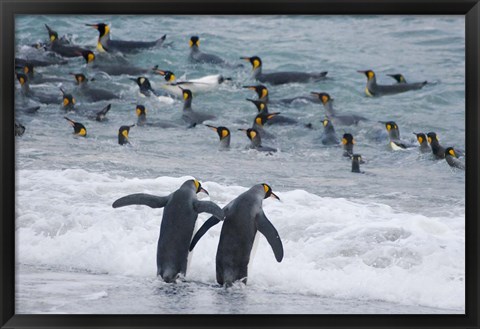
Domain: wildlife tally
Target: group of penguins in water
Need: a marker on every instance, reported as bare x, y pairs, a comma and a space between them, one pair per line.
243, 216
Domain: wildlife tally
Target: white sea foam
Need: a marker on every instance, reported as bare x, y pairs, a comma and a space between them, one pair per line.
333, 247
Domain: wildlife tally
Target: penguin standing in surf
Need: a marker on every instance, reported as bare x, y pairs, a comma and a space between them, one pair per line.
244, 216
181, 209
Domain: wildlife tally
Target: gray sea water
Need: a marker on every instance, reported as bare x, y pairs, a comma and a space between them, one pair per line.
388, 241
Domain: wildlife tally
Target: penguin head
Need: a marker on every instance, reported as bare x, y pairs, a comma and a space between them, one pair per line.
399, 77
368, 73
142, 82
357, 158
168, 75
187, 94
140, 110
261, 105
68, 99
102, 28
123, 134
28, 69
348, 139
251, 133
223, 132
326, 122
22, 78
261, 119
323, 97
420, 137
390, 125
255, 61
78, 128
88, 55
79, 78
431, 136
268, 192
198, 187
194, 41
52, 35
450, 151
261, 90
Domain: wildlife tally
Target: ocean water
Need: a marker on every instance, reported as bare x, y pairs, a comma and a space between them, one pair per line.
387, 241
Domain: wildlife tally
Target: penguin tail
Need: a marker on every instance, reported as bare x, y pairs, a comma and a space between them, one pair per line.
161, 40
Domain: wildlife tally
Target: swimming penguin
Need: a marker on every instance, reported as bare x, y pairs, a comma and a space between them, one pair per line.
91, 94
256, 141
145, 87
329, 137
197, 56
262, 108
373, 89
345, 120
259, 121
279, 78
423, 142
244, 217
36, 95
37, 78
100, 115
181, 209
452, 159
203, 84
348, 143
78, 128
141, 112
356, 161
110, 68
224, 135
19, 129
26, 110
65, 50
394, 136
437, 149
261, 90
106, 44
43, 61
191, 117
123, 134
68, 103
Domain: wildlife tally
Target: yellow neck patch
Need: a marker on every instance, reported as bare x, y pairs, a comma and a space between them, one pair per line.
185, 95
429, 140
252, 135
266, 188
22, 81
82, 132
325, 123
90, 57
224, 133
259, 121
262, 106
125, 133
139, 112
66, 102
370, 75
256, 64
100, 47
172, 78
344, 141
197, 184
324, 99
264, 92
420, 139
25, 69
52, 38
452, 153
389, 127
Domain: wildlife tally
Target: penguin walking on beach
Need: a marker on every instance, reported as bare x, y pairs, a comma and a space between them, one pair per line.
244, 216
278, 78
181, 209
373, 89
105, 43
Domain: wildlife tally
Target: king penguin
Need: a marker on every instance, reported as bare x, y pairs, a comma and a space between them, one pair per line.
36, 95
65, 50
278, 78
423, 142
105, 65
260, 120
89, 93
329, 137
345, 120
223, 134
181, 209
262, 108
356, 161
437, 149
106, 44
348, 142
256, 141
191, 117
394, 136
197, 56
452, 159
123, 135
78, 128
141, 112
244, 216
373, 89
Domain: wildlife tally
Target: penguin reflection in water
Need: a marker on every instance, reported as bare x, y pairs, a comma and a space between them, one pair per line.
178, 222
244, 216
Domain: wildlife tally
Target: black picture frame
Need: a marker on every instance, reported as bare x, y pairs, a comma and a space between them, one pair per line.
469, 8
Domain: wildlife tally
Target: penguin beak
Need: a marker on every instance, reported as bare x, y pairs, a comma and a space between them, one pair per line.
273, 195
162, 73
245, 58
212, 127
203, 190
249, 87
95, 26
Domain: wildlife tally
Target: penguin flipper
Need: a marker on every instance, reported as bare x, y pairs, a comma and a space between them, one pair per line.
210, 208
152, 201
212, 221
269, 231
